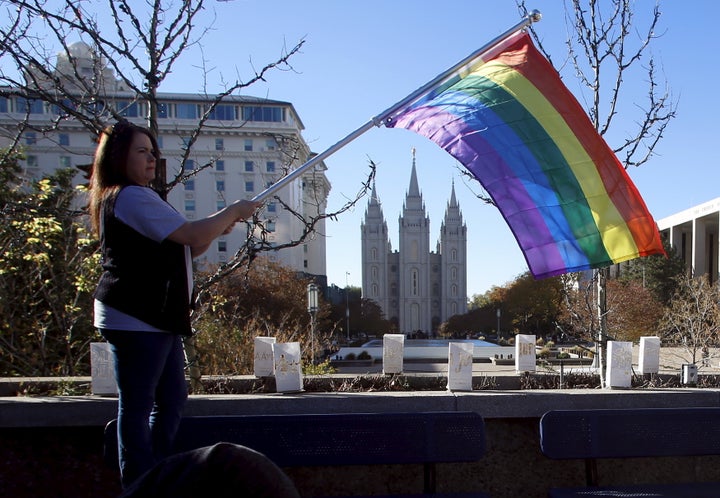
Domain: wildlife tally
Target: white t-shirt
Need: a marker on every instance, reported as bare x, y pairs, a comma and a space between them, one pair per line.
142, 209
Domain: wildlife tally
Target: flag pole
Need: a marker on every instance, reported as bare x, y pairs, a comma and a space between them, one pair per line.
378, 120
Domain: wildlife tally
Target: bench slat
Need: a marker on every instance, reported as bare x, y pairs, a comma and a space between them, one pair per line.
628, 433
337, 439
622, 433
692, 490
310, 440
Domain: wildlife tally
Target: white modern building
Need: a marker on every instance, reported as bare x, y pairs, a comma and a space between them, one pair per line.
693, 234
416, 288
246, 144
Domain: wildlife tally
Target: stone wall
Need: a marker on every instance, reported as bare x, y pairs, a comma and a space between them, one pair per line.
53, 446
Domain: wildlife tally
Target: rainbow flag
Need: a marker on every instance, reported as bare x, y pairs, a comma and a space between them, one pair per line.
510, 120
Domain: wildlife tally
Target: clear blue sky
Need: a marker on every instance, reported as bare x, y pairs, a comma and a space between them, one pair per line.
361, 57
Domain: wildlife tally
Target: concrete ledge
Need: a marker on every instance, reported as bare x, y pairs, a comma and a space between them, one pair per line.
58, 440
93, 411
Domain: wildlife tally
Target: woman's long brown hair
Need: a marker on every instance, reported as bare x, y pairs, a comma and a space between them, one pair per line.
109, 170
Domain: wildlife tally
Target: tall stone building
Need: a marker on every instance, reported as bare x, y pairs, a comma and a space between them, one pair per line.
416, 288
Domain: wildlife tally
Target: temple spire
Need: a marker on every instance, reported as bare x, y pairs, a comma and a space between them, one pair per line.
453, 200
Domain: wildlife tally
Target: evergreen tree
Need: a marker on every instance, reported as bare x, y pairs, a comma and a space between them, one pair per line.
657, 273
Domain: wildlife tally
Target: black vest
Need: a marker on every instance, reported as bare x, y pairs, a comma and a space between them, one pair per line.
143, 278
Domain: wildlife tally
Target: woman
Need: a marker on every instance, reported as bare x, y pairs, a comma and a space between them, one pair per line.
142, 302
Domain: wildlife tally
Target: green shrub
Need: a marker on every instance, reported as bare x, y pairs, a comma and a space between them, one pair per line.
323, 368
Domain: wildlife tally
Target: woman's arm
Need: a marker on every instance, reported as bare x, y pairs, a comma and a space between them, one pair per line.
199, 234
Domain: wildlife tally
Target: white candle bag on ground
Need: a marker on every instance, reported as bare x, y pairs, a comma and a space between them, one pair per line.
460, 362
102, 369
393, 350
288, 369
525, 356
649, 355
619, 364
263, 365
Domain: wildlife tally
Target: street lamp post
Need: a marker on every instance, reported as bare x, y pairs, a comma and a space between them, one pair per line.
498, 327
312, 299
347, 306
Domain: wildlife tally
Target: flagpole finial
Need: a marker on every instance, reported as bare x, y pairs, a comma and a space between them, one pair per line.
535, 15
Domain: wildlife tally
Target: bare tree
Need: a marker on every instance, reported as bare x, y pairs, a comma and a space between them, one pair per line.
606, 50
693, 318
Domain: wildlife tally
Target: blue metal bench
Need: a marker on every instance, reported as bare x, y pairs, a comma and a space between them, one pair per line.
629, 433
307, 440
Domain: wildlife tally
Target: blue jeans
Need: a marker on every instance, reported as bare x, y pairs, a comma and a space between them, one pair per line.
150, 375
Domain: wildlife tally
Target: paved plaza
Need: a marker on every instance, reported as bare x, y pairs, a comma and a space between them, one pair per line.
671, 361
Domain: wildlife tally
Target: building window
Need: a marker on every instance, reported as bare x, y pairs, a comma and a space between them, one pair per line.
248, 166
221, 204
30, 138
220, 185
222, 246
186, 111
219, 144
64, 139
259, 113
190, 184
223, 112
249, 186
453, 273
189, 165
219, 165
271, 207
189, 204
3, 104
29, 106
185, 143
127, 109
31, 161
60, 109
270, 226
65, 162
270, 166
454, 255
270, 144
373, 253
162, 110
414, 283
248, 145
